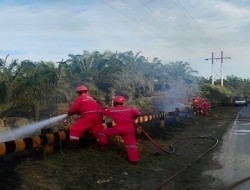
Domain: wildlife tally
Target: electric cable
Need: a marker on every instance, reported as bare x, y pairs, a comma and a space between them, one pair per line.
180, 32
178, 3
155, 33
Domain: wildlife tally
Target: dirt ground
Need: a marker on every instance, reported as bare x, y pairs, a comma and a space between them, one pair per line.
90, 168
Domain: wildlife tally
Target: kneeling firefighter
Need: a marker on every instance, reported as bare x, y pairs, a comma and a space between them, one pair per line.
123, 116
85, 106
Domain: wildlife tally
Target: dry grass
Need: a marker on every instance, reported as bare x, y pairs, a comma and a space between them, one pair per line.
90, 168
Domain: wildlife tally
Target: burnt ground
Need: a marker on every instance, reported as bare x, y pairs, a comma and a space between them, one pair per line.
90, 168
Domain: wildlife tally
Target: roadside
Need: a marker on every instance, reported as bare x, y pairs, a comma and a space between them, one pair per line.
194, 178
90, 168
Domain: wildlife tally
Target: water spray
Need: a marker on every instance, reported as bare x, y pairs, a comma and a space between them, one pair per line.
29, 130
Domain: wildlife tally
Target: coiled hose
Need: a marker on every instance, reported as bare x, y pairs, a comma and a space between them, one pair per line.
173, 150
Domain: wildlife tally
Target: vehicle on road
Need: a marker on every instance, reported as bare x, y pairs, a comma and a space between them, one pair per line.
240, 101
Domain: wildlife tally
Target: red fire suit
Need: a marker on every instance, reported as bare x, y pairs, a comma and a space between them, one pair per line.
123, 116
205, 107
196, 105
85, 106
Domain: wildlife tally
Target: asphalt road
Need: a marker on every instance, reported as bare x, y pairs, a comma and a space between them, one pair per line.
234, 155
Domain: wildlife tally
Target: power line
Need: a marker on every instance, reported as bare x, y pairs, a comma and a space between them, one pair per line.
196, 23
185, 12
153, 12
132, 19
163, 37
166, 22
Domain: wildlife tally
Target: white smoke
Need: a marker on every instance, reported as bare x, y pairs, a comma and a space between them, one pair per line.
177, 96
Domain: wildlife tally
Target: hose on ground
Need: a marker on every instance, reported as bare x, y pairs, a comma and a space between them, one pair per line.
181, 170
236, 183
154, 142
173, 150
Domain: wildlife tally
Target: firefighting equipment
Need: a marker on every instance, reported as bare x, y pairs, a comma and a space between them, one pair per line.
154, 142
81, 88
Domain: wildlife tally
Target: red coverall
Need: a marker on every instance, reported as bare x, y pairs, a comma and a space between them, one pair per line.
205, 107
123, 116
87, 108
196, 105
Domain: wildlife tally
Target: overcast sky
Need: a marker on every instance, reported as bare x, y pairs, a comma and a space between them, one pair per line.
171, 30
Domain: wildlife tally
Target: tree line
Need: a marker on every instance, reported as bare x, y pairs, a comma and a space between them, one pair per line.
37, 89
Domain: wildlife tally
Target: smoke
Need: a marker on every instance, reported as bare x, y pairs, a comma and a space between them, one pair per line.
177, 96
29, 130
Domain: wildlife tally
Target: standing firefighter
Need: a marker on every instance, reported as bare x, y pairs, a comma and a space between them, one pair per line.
85, 106
123, 117
196, 104
204, 107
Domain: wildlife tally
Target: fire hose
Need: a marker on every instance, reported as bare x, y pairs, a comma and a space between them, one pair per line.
189, 165
181, 170
236, 183
154, 142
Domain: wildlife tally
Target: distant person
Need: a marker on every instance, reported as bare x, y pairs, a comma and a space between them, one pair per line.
87, 107
196, 104
205, 107
123, 117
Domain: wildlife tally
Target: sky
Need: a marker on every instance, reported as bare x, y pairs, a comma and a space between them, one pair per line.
171, 30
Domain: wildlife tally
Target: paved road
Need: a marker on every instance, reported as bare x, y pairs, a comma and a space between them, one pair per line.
235, 152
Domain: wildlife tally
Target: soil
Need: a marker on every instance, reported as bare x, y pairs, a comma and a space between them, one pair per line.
90, 167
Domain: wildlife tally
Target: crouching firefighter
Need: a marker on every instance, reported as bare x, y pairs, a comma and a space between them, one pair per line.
123, 117
85, 106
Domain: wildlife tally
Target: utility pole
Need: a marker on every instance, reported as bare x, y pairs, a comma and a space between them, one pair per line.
221, 70
221, 58
212, 72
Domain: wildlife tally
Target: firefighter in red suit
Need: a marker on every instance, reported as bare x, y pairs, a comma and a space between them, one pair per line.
85, 106
204, 107
196, 105
123, 117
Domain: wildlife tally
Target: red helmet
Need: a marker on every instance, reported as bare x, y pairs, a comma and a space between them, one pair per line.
119, 99
81, 88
